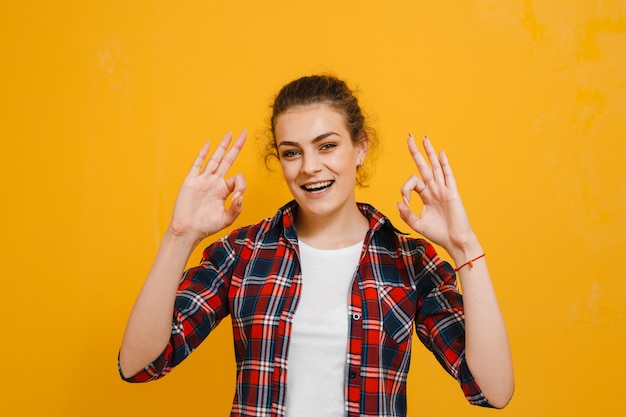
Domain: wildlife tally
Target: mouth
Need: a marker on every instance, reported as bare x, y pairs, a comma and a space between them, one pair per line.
317, 187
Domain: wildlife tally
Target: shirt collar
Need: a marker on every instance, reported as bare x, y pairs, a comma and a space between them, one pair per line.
377, 220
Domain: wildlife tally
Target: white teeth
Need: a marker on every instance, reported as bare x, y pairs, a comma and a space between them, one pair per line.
317, 186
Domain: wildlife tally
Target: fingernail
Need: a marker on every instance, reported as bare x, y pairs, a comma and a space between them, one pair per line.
426, 137
406, 200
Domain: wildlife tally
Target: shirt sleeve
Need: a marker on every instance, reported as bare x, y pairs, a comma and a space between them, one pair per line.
201, 303
440, 321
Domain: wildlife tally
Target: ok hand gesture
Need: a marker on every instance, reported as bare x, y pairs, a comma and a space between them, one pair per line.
200, 208
443, 219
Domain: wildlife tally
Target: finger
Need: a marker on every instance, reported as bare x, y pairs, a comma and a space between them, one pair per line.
229, 158
414, 183
422, 166
447, 170
197, 164
216, 158
434, 160
237, 185
410, 218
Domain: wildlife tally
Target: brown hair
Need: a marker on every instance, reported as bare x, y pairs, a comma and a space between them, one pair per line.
322, 89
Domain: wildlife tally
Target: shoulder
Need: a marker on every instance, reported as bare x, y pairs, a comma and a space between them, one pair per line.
268, 229
416, 254
238, 245
387, 234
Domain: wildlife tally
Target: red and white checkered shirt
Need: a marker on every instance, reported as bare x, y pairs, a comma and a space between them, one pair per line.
253, 275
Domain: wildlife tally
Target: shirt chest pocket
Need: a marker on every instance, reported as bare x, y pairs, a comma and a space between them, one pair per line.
264, 287
398, 305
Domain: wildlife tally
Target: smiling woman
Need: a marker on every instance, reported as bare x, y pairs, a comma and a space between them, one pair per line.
294, 357
322, 90
319, 161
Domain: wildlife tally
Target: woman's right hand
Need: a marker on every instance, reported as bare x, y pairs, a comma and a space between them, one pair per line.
200, 211
200, 208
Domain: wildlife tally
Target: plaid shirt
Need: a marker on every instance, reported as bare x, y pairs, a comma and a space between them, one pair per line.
254, 275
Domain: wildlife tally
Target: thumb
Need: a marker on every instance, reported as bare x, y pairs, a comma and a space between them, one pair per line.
410, 218
237, 184
234, 210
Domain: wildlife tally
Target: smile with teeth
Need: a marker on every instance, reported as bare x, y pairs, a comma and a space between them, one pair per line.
317, 187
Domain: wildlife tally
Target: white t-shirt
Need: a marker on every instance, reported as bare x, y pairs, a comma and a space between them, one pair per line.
316, 363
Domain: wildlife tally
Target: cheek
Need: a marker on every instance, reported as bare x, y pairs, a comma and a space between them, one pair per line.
288, 170
346, 163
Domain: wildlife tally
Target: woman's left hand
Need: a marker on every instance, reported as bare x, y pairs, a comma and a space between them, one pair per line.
443, 219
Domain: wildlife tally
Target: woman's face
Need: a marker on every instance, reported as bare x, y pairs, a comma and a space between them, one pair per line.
318, 158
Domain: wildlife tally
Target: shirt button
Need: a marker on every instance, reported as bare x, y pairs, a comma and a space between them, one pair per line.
356, 316
352, 374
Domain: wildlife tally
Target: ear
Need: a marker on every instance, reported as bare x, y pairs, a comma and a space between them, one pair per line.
362, 147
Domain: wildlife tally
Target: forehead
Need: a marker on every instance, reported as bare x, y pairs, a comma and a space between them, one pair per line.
307, 122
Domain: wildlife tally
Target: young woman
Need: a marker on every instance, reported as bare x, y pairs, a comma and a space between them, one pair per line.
324, 296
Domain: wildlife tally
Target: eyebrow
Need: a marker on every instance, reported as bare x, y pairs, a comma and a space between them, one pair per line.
315, 140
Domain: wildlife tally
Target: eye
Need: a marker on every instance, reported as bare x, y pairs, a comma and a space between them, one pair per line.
291, 153
327, 146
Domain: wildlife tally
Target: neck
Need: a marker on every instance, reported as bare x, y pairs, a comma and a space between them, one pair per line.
334, 231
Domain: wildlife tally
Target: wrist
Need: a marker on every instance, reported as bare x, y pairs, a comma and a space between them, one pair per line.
463, 253
178, 237
469, 263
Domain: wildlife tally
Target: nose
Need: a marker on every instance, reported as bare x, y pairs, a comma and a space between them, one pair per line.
311, 164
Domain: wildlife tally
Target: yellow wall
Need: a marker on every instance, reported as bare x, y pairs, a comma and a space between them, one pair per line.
105, 104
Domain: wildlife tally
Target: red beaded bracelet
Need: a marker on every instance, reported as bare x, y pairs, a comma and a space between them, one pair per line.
470, 263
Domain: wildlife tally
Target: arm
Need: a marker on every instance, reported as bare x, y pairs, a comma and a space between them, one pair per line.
200, 211
443, 220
